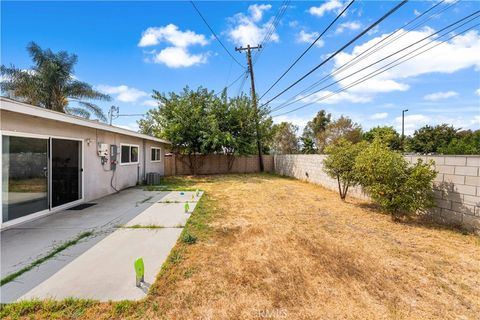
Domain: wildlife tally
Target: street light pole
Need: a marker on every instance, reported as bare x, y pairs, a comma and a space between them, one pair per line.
403, 125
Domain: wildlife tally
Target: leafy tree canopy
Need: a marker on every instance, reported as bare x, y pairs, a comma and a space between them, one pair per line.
50, 84
340, 163
342, 127
430, 139
385, 134
285, 140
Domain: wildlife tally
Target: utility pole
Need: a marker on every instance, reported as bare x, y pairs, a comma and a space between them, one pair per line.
113, 113
254, 98
403, 127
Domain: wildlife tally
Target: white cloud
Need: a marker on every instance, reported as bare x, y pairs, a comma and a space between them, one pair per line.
326, 97
440, 95
171, 34
293, 24
351, 25
309, 37
177, 55
122, 93
412, 122
378, 116
457, 54
416, 121
299, 121
477, 92
330, 5
416, 12
150, 103
247, 29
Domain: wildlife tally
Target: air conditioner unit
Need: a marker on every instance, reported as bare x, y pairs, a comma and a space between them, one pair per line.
153, 178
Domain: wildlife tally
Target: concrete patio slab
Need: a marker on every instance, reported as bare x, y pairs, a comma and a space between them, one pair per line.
105, 272
181, 196
23, 244
163, 214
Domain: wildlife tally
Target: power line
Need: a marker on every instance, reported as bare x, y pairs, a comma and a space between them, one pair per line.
398, 6
215, 35
271, 30
309, 47
379, 71
232, 83
361, 56
380, 60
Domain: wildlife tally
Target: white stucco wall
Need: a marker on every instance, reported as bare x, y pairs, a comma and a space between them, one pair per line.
96, 177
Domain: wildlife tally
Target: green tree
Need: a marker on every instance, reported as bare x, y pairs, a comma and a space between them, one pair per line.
308, 145
185, 120
199, 122
285, 140
430, 139
317, 124
340, 163
233, 125
385, 134
342, 127
388, 178
465, 142
51, 84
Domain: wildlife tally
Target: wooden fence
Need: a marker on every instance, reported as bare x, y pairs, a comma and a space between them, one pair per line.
216, 164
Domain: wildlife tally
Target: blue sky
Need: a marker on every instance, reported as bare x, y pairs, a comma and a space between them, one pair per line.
129, 48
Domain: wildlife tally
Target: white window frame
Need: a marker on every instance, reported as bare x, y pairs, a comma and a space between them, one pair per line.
129, 154
155, 148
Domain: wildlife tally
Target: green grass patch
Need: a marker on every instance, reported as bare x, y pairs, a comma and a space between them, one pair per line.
46, 257
189, 238
178, 184
68, 308
139, 226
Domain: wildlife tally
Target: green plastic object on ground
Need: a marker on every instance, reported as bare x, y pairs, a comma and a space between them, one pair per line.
187, 207
139, 271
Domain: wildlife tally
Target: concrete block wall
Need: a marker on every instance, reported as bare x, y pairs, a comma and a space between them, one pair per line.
456, 188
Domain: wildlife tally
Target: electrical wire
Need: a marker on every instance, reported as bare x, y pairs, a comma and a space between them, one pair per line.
380, 60
309, 47
215, 35
378, 72
361, 56
373, 25
271, 30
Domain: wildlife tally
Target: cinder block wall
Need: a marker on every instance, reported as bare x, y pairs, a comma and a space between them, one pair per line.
456, 188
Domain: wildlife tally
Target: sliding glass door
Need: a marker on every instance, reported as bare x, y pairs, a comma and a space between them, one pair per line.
39, 174
66, 171
24, 176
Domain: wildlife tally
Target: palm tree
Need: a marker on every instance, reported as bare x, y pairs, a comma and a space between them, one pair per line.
50, 84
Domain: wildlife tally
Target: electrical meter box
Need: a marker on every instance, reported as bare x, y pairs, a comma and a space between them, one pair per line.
113, 157
102, 149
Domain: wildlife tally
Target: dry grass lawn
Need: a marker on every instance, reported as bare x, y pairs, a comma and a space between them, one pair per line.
278, 248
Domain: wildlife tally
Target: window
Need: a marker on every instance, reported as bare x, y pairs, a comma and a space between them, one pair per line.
129, 154
156, 155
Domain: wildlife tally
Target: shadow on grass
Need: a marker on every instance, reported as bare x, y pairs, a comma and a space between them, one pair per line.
421, 220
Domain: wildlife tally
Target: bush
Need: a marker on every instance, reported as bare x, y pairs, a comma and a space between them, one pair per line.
395, 185
340, 164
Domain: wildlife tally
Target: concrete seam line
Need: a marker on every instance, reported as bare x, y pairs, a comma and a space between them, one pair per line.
48, 256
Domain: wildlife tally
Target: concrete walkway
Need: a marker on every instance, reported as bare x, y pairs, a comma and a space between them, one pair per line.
100, 267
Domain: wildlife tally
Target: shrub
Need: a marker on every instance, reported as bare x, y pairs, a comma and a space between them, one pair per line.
340, 164
391, 182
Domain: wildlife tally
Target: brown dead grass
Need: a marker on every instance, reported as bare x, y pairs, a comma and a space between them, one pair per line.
283, 249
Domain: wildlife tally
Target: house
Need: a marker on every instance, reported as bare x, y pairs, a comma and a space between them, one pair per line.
52, 161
